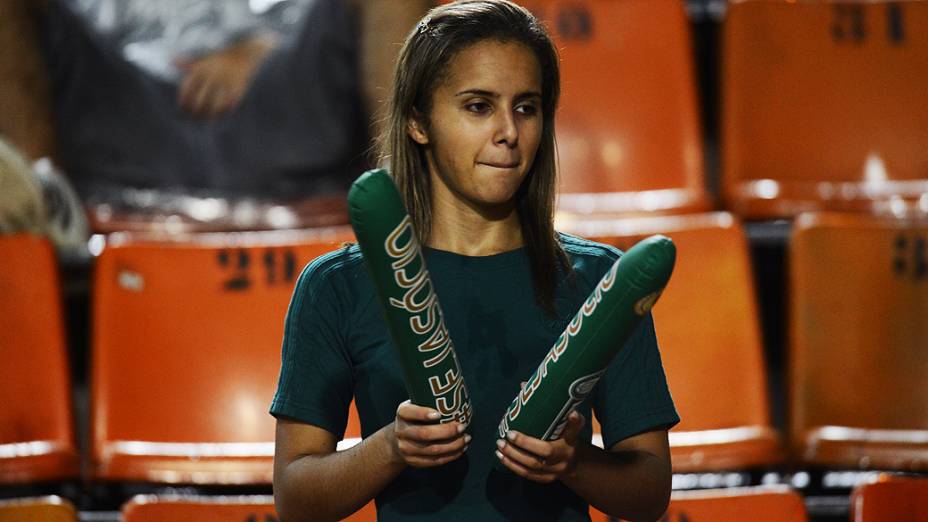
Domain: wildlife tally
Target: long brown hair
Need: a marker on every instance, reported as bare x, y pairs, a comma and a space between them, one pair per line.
423, 63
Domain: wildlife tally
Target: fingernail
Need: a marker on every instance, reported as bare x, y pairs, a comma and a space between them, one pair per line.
467, 439
434, 415
499, 455
511, 435
461, 428
465, 448
500, 443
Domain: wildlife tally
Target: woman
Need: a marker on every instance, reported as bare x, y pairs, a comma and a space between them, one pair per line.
470, 141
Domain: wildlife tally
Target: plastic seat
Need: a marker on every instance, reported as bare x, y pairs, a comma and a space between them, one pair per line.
186, 354
155, 508
859, 374
36, 429
709, 336
252, 508
823, 105
45, 509
892, 498
627, 127
762, 504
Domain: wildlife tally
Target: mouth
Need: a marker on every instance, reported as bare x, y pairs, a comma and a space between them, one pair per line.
500, 165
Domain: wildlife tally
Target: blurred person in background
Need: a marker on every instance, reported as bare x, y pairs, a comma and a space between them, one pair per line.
145, 103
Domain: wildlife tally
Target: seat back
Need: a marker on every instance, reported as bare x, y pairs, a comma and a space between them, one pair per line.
36, 430
246, 508
627, 126
156, 508
760, 504
186, 346
45, 509
823, 105
709, 336
892, 498
858, 330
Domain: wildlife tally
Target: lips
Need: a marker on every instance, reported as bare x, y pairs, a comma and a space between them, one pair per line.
500, 165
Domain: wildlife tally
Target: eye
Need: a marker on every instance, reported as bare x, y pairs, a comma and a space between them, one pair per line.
477, 107
527, 109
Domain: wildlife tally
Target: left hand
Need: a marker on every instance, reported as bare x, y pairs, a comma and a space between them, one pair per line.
216, 83
542, 461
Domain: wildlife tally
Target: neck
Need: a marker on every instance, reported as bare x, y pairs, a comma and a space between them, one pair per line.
463, 229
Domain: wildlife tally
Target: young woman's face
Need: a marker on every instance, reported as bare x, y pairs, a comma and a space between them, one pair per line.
485, 124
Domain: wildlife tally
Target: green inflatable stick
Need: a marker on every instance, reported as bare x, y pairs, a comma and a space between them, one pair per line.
579, 357
414, 317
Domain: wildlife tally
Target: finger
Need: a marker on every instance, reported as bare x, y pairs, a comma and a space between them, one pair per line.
523, 471
526, 459
431, 433
202, 97
575, 423
188, 89
541, 448
217, 102
413, 448
410, 412
420, 462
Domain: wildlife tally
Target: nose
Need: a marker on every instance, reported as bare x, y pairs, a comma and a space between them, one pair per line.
507, 132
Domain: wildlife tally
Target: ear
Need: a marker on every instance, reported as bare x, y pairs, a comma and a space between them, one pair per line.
416, 130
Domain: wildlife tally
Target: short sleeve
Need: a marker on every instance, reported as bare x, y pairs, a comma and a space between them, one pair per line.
633, 397
315, 384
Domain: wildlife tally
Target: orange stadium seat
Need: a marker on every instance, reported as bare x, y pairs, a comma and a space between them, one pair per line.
823, 105
628, 130
891, 498
35, 509
186, 353
157, 508
858, 333
253, 508
36, 427
707, 328
761, 504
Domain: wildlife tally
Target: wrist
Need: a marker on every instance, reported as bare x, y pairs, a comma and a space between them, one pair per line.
581, 454
392, 450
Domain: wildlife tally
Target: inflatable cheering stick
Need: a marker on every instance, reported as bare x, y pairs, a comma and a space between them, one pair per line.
414, 317
581, 354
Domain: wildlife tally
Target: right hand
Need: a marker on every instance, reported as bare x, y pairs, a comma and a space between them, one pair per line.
420, 442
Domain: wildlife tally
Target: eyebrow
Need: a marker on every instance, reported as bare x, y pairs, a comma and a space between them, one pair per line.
491, 94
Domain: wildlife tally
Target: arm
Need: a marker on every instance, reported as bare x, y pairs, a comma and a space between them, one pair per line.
384, 26
313, 481
631, 481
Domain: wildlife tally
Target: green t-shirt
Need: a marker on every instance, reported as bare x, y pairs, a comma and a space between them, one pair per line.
336, 346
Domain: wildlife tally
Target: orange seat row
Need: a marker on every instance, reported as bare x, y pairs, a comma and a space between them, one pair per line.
761, 504
898, 499
186, 348
823, 106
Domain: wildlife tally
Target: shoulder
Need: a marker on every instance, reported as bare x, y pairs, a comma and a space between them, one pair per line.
588, 259
338, 272
578, 247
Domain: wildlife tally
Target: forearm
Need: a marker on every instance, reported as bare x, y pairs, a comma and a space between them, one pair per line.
25, 99
332, 486
384, 26
630, 484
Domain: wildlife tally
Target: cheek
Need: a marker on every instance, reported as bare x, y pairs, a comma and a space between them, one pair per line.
533, 138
